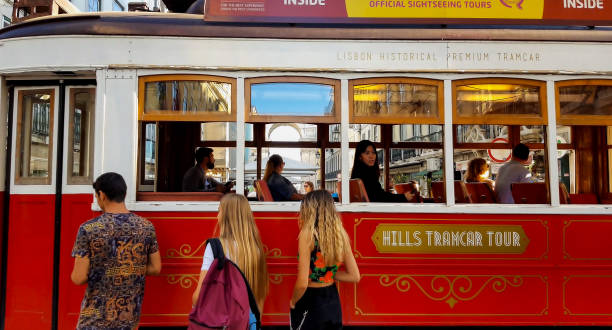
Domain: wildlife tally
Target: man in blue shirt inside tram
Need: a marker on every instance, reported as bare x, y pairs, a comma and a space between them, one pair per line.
195, 179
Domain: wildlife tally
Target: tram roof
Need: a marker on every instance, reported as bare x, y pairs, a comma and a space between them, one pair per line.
188, 25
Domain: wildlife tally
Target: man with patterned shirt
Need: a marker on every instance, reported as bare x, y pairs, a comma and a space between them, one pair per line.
113, 253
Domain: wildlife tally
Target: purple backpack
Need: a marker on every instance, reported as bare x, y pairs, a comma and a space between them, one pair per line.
225, 300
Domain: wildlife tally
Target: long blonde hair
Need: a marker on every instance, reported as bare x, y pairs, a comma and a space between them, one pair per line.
273, 163
320, 220
236, 224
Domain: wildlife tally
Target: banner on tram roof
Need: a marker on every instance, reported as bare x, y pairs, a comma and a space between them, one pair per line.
557, 12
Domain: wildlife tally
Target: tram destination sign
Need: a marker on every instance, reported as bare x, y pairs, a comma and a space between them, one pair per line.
520, 12
449, 239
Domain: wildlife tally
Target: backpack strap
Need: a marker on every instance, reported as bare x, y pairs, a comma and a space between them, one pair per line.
217, 249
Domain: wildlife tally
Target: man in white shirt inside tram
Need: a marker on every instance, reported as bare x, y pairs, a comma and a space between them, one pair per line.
513, 171
195, 179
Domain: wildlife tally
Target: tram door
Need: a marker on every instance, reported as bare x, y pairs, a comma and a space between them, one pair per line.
51, 163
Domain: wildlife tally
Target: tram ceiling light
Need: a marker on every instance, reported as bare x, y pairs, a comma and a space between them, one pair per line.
489, 87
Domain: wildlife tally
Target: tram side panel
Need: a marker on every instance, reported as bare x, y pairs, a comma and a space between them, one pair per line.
30, 262
544, 281
76, 209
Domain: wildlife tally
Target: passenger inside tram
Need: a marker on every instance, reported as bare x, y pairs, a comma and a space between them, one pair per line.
281, 188
513, 172
195, 179
366, 168
479, 171
308, 187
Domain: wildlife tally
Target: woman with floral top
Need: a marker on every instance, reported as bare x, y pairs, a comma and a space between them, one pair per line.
323, 247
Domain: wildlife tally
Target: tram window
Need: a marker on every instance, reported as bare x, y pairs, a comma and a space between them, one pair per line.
80, 135
356, 133
532, 134
584, 146
384, 100
590, 98
301, 165
292, 99
417, 133
189, 97
149, 154
35, 136
507, 101
422, 166
292, 132
482, 133
223, 131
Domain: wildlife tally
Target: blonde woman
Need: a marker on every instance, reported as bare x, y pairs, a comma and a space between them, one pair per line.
241, 244
323, 247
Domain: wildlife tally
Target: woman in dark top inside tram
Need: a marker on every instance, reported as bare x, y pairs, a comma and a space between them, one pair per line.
365, 167
281, 188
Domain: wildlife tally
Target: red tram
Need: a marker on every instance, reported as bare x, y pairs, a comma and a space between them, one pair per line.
136, 94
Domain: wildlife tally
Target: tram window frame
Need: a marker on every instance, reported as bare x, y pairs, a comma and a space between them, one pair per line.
257, 118
29, 180
170, 115
502, 119
599, 137
79, 179
386, 124
397, 119
513, 123
581, 119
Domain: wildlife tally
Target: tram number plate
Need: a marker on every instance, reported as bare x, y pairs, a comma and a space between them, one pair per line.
449, 239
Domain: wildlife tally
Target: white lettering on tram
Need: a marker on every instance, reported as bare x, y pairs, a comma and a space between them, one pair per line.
583, 4
304, 2
451, 238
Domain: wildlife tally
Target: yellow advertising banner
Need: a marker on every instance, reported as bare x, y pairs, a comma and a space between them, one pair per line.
486, 9
449, 239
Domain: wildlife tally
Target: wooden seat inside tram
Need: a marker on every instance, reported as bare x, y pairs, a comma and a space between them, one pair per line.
402, 188
480, 192
357, 191
536, 193
461, 194
263, 191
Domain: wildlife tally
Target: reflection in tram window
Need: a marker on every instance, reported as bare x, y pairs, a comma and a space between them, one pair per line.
150, 154
388, 100
292, 132
188, 96
223, 131
497, 99
585, 100
80, 139
482, 133
35, 137
417, 133
292, 99
356, 132
422, 166
532, 134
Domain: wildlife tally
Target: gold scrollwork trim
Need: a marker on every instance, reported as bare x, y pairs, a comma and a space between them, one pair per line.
455, 257
451, 291
185, 252
458, 288
566, 225
186, 281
